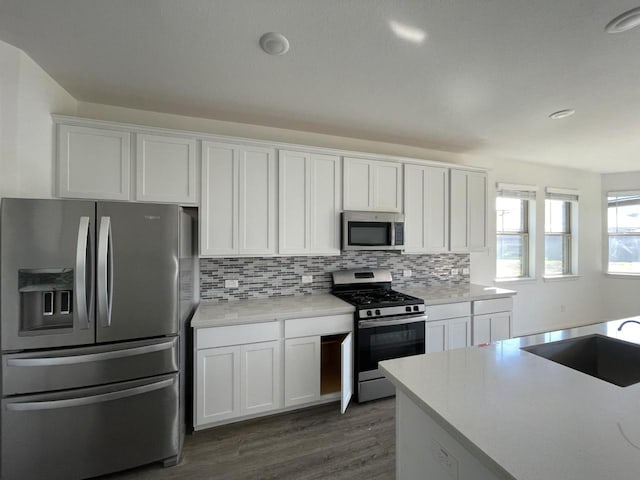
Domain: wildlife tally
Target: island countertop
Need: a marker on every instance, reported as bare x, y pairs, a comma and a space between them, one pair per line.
527, 417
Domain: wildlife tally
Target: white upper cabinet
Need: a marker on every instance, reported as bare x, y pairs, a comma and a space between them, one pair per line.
238, 200
426, 208
93, 163
373, 185
468, 223
309, 200
166, 169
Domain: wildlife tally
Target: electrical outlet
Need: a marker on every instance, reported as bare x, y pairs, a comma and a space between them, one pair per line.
231, 284
465, 271
445, 459
307, 279
407, 273
454, 271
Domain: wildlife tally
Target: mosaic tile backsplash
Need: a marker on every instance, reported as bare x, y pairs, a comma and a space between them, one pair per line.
262, 277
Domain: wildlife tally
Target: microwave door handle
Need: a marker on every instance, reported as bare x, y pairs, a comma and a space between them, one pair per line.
105, 272
392, 226
83, 288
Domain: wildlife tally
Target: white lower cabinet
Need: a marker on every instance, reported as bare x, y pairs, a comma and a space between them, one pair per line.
492, 320
441, 335
301, 370
238, 380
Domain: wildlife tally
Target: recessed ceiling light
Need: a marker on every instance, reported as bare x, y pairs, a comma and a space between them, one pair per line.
624, 22
407, 32
274, 43
562, 114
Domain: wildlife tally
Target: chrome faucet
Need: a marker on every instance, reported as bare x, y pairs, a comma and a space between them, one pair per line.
628, 321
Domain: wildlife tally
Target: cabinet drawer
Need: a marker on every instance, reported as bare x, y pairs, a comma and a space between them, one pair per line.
237, 334
448, 310
492, 306
328, 325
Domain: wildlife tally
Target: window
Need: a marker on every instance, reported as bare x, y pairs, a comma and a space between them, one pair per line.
560, 246
513, 239
623, 227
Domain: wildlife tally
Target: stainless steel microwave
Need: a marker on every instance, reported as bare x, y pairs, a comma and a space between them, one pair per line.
372, 231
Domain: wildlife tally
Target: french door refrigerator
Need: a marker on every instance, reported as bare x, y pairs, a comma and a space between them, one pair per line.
93, 299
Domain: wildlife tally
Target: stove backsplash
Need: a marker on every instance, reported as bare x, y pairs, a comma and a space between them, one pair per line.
262, 277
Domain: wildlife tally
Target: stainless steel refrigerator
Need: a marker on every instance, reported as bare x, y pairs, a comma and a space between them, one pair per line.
94, 297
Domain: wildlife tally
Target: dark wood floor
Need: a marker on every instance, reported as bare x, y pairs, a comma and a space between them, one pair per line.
314, 443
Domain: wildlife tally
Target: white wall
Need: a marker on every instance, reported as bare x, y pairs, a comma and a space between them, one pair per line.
28, 97
621, 295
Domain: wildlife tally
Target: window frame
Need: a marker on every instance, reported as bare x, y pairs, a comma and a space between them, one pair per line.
569, 234
609, 234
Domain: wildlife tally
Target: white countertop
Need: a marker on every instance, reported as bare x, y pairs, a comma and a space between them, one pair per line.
439, 294
526, 415
216, 314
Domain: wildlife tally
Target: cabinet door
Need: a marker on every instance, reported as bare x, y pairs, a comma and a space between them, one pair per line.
166, 169
358, 184
481, 329
219, 200
459, 239
426, 193
459, 331
93, 163
217, 384
301, 370
500, 326
346, 351
436, 336
477, 209
257, 196
260, 377
325, 194
294, 202
387, 186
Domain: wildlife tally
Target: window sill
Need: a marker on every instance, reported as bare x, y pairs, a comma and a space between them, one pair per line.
515, 280
628, 276
559, 278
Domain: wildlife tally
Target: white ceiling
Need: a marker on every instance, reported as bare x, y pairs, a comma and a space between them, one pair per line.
484, 81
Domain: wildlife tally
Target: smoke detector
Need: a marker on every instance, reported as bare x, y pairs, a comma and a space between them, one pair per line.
274, 43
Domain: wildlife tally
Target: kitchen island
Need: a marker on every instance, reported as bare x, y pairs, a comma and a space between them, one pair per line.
499, 412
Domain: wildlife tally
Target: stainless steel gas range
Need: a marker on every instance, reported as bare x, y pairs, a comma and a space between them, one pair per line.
387, 324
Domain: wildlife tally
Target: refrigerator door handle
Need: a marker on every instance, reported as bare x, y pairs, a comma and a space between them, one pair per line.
92, 400
84, 289
105, 272
91, 357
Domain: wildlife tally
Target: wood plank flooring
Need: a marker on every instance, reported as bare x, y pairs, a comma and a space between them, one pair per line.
311, 444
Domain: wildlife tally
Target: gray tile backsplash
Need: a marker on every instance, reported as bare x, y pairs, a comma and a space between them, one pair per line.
261, 277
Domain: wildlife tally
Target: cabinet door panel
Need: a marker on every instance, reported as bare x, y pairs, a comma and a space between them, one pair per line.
458, 222
346, 351
415, 208
260, 384
436, 197
256, 222
302, 370
387, 186
477, 210
93, 163
166, 169
325, 193
459, 333
219, 202
358, 184
436, 336
481, 329
500, 326
217, 384
294, 201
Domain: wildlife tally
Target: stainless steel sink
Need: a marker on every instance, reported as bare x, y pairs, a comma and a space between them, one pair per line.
608, 359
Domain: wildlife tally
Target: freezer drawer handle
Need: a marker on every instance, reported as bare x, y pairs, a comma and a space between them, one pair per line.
92, 357
84, 292
105, 272
78, 402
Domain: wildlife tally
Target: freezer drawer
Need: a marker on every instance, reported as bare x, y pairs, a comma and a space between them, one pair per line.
91, 431
52, 370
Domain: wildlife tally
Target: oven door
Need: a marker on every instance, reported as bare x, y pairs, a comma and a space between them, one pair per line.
386, 338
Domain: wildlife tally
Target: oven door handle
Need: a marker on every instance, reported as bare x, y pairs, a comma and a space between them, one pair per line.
392, 321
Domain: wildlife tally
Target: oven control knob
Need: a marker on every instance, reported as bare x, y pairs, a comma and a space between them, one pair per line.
416, 308
369, 313
408, 309
377, 312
